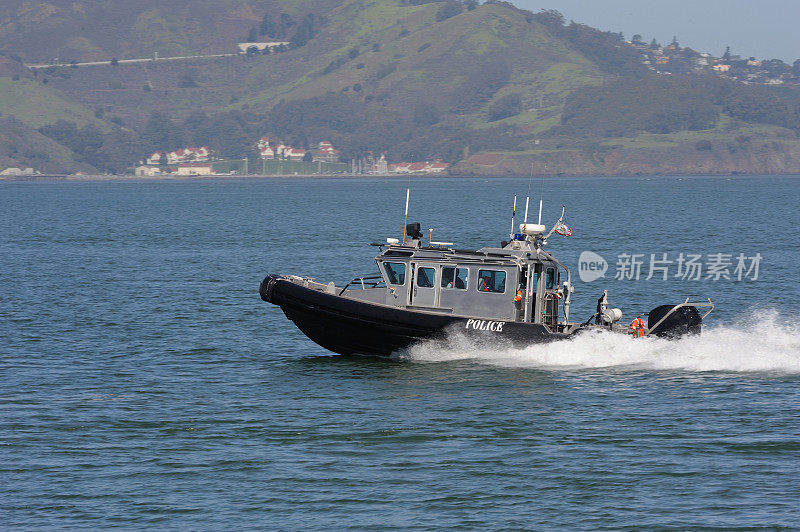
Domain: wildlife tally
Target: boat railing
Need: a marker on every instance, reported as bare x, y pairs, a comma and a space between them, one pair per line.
370, 281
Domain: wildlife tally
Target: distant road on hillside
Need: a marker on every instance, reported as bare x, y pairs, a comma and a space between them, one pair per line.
125, 61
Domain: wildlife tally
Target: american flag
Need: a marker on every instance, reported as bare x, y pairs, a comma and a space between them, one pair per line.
563, 230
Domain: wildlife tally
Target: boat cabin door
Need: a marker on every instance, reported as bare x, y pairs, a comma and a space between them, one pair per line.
549, 309
424, 285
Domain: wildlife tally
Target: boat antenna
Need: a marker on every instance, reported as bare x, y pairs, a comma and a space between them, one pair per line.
527, 201
528, 198
405, 220
541, 196
513, 218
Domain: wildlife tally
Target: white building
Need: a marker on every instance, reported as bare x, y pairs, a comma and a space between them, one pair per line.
326, 153
186, 155
259, 46
18, 171
194, 169
382, 167
146, 171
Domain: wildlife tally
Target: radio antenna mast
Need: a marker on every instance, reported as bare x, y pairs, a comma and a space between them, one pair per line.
513, 218
541, 196
405, 220
528, 198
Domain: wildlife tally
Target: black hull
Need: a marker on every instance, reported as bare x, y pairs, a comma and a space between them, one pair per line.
349, 327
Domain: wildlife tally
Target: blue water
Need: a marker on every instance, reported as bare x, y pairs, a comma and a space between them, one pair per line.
144, 383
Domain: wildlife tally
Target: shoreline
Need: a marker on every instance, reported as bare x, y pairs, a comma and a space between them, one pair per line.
53, 178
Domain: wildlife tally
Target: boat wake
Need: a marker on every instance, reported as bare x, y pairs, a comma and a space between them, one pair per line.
753, 345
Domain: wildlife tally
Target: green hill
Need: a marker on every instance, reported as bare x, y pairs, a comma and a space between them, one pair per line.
23, 147
97, 30
424, 85
37, 105
493, 88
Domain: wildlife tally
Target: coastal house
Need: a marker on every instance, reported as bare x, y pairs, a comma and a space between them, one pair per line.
294, 154
185, 155
326, 153
399, 168
147, 171
156, 158
194, 169
265, 150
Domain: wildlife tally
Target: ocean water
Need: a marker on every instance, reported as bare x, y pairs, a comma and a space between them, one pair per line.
143, 383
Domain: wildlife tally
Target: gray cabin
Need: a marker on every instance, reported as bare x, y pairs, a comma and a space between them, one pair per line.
517, 282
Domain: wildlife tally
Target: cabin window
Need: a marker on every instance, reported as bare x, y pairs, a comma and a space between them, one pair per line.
396, 272
454, 278
426, 277
492, 281
550, 280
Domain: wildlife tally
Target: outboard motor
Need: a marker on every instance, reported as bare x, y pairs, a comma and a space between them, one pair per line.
685, 320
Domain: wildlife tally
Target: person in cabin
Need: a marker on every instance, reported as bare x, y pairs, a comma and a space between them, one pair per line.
484, 286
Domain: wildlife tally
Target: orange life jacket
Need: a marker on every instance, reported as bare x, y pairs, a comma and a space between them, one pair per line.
637, 328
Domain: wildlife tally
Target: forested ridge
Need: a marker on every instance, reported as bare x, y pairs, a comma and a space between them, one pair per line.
413, 79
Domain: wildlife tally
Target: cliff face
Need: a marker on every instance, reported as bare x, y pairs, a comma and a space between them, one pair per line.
775, 157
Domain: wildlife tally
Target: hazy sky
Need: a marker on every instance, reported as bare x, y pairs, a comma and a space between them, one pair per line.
765, 29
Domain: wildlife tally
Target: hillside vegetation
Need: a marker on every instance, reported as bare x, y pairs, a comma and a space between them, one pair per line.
96, 30
490, 87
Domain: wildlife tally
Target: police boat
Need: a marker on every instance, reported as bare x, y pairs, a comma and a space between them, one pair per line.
516, 294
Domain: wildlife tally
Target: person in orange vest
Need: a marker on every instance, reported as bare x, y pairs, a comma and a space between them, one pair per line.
637, 328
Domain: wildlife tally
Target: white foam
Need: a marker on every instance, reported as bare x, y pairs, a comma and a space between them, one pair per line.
754, 345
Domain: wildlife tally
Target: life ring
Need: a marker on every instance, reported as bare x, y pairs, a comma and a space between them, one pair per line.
637, 328
518, 297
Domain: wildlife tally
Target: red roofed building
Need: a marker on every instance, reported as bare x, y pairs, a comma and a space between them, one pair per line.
325, 152
266, 152
294, 154
399, 168
185, 155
